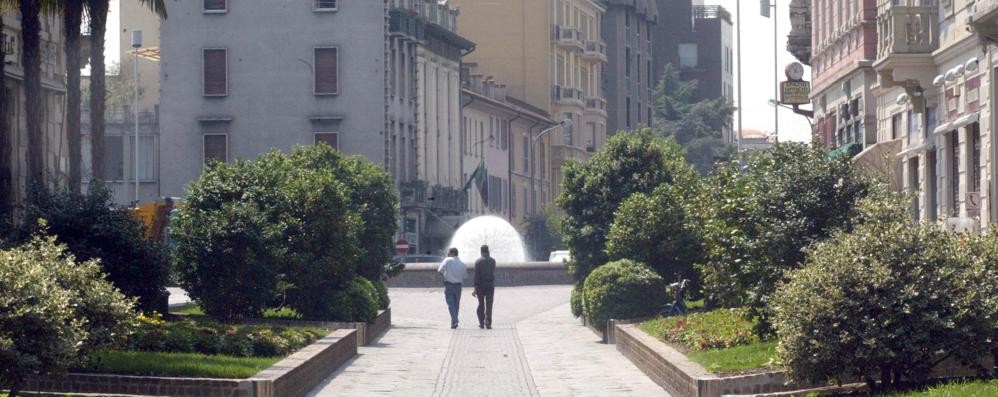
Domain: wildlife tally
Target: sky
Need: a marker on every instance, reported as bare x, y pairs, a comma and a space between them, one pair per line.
757, 69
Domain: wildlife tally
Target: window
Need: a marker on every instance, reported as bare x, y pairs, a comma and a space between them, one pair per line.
913, 185
912, 127
638, 64
627, 111
114, 159
896, 126
325, 71
216, 72
147, 157
974, 131
930, 185
651, 80
526, 153
542, 168
627, 62
954, 171
330, 138
325, 5
216, 148
688, 56
930, 123
215, 6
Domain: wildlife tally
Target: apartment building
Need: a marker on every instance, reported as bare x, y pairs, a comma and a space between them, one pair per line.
628, 78
696, 39
505, 137
538, 49
843, 50
55, 150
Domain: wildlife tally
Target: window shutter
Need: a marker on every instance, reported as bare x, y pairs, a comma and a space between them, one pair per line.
215, 72
325, 71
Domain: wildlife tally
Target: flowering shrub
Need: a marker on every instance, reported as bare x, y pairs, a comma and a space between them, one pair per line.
716, 329
186, 336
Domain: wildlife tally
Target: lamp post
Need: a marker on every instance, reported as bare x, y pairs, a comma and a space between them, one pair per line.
136, 43
567, 123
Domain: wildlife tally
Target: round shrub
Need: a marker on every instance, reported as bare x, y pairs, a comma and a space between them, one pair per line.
885, 301
620, 290
358, 302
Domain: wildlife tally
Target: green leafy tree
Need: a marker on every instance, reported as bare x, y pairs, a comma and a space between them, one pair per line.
631, 162
653, 229
543, 234
757, 220
696, 124
93, 227
886, 301
54, 311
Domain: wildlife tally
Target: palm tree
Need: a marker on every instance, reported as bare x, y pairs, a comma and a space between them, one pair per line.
31, 56
72, 18
98, 26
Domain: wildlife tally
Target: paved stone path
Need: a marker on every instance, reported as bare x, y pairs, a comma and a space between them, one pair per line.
535, 348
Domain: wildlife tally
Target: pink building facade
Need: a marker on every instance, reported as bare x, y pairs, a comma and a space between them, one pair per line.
843, 49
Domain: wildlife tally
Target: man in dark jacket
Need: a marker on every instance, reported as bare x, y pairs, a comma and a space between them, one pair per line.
485, 288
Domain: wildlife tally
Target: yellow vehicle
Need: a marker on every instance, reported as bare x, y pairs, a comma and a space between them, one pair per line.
155, 216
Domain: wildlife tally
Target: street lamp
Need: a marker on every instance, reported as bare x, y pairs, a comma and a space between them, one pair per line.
795, 109
567, 123
136, 43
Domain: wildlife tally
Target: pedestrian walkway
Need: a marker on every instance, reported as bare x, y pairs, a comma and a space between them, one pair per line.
535, 348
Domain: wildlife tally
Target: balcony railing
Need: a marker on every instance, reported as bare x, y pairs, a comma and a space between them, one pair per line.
597, 104
568, 37
907, 29
595, 50
561, 94
420, 194
984, 19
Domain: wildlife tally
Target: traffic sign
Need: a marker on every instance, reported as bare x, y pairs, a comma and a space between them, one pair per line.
402, 246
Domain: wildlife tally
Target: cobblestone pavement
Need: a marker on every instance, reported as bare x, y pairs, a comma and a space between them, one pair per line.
535, 348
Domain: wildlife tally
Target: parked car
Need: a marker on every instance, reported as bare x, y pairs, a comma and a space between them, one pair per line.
560, 256
419, 259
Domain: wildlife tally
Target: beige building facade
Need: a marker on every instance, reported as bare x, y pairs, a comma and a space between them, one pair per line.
538, 49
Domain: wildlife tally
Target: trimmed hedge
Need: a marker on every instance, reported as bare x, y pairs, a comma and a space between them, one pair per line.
620, 290
187, 336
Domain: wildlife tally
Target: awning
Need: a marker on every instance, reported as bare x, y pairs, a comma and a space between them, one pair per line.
959, 122
849, 149
922, 147
879, 160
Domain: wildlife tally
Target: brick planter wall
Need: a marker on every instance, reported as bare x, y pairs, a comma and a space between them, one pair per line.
424, 275
292, 377
681, 377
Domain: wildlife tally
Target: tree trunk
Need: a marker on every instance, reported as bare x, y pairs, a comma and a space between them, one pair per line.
71, 19
98, 26
6, 170
31, 55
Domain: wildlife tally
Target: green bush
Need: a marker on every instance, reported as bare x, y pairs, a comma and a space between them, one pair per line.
721, 328
93, 227
383, 300
631, 162
621, 290
652, 229
186, 336
756, 221
279, 225
576, 300
54, 311
887, 300
358, 302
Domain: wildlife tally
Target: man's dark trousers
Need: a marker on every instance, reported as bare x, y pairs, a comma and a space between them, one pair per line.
485, 297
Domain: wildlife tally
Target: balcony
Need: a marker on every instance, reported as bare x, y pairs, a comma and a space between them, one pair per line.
568, 37
405, 23
446, 200
596, 104
906, 36
567, 96
984, 19
595, 51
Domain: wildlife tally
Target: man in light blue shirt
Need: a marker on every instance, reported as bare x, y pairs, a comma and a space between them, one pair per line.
454, 272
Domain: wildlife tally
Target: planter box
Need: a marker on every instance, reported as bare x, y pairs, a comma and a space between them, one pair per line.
366, 332
681, 377
293, 376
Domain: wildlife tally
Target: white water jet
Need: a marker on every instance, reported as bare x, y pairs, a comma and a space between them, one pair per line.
505, 244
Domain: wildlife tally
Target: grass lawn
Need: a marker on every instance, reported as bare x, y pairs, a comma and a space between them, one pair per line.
739, 358
284, 313
179, 364
980, 388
